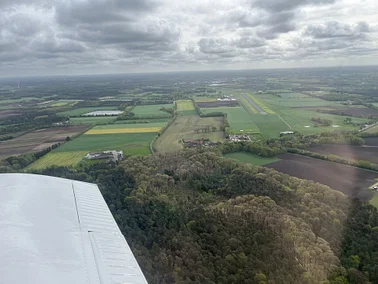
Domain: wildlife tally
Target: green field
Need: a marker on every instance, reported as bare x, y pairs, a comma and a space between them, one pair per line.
237, 117
374, 200
205, 99
83, 110
251, 159
139, 121
132, 125
151, 110
184, 128
373, 129
58, 159
270, 125
300, 118
64, 103
129, 143
92, 120
26, 99
275, 102
185, 108
293, 95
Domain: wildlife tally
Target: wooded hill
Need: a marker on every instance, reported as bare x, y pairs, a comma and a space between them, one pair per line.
196, 217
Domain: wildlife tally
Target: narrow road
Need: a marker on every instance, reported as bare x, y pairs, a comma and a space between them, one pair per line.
256, 106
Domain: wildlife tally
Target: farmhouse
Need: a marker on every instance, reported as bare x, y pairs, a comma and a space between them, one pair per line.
105, 155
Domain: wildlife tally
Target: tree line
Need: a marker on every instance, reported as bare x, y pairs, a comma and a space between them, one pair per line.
197, 217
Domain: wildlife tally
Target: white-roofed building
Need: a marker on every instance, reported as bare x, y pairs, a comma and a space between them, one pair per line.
55, 230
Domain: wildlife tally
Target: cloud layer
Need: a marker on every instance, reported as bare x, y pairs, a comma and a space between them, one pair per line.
101, 36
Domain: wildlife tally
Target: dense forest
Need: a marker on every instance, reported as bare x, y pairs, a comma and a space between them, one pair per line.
196, 217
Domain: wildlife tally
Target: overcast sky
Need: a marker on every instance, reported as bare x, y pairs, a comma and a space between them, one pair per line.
39, 37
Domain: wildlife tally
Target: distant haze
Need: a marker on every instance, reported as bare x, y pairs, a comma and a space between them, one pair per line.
68, 37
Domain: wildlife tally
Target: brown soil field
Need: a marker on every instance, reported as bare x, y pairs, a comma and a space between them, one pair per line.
217, 104
351, 111
352, 181
349, 152
7, 113
357, 111
38, 140
371, 141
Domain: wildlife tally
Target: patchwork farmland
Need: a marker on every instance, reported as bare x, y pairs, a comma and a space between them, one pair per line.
184, 127
132, 139
38, 140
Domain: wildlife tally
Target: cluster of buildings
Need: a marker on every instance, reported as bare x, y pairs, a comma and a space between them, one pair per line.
105, 155
199, 143
226, 99
238, 138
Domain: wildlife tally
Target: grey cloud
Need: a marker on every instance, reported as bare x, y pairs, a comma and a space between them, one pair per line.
53, 45
21, 25
214, 46
119, 24
272, 32
337, 30
267, 25
98, 12
286, 5
250, 42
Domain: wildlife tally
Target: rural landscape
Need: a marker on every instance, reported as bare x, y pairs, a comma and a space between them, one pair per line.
225, 139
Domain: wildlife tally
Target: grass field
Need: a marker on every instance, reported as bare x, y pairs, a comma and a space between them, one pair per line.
270, 125
300, 118
374, 200
237, 117
83, 110
204, 99
58, 159
26, 99
129, 143
131, 125
151, 110
185, 107
251, 159
92, 120
183, 128
123, 130
293, 95
373, 129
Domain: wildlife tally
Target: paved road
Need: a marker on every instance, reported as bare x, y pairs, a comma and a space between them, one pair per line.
256, 106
